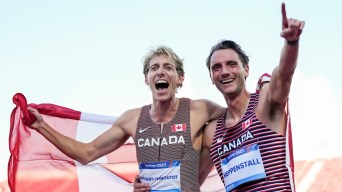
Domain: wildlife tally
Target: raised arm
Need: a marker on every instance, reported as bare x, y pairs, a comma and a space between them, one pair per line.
280, 83
87, 152
272, 102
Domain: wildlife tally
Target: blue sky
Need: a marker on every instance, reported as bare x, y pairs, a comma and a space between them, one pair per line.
87, 55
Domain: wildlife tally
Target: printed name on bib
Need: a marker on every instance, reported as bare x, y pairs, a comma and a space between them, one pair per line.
161, 176
242, 166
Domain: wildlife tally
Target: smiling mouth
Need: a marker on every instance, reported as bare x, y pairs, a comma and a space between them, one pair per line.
227, 81
161, 84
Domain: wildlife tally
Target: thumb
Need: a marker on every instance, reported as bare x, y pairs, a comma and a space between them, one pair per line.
286, 32
137, 179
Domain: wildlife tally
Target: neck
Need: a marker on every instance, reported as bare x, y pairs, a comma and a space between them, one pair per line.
163, 111
237, 105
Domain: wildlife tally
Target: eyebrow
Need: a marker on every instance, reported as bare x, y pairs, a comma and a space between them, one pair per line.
164, 64
214, 65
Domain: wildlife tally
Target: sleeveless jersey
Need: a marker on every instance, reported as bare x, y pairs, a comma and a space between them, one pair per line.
275, 150
173, 143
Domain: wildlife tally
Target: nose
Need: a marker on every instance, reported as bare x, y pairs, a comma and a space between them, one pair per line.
161, 72
225, 71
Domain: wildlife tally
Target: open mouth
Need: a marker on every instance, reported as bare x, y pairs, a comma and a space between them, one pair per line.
161, 84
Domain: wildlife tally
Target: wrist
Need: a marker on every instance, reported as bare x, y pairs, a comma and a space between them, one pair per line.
41, 126
292, 43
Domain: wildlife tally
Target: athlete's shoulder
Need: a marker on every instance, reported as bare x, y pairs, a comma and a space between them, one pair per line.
204, 103
129, 115
133, 111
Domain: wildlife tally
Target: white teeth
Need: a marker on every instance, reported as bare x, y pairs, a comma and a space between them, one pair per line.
161, 84
227, 81
161, 81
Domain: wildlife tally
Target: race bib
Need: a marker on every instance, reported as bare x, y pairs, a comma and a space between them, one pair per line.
161, 176
242, 166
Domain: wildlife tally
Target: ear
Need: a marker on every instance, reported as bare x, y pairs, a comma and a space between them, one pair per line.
180, 79
146, 82
246, 70
212, 81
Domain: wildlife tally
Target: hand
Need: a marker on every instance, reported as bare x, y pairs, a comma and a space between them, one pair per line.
140, 187
292, 28
39, 119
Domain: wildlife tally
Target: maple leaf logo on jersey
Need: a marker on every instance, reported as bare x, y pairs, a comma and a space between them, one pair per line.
246, 124
178, 127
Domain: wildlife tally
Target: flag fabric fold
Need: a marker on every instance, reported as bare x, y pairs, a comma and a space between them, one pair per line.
37, 165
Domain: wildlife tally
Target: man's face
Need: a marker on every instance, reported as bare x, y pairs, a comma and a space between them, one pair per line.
162, 78
227, 72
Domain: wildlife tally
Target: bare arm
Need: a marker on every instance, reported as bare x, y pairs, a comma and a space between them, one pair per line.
206, 164
273, 98
210, 109
85, 152
280, 83
202, 112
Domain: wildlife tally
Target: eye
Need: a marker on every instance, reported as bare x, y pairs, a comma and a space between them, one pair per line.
215, 67
232, 63
169, 68
153, 68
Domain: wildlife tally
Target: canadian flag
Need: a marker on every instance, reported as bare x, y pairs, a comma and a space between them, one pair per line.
37, 165
178, 127
246, 124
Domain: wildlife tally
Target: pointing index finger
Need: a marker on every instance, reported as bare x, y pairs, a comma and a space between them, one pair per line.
283, 12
